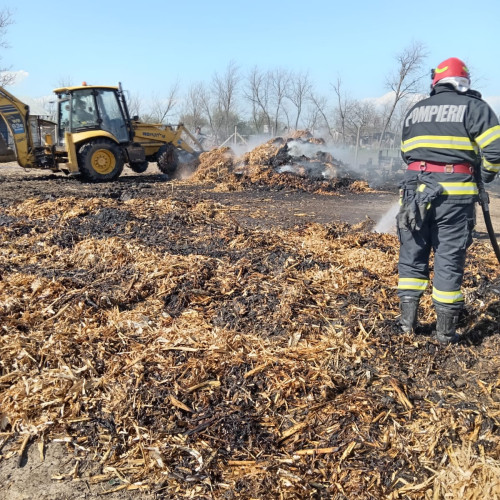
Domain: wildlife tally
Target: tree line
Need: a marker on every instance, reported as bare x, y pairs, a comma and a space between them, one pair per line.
274, 101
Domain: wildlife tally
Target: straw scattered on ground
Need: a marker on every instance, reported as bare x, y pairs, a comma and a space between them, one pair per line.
185, 354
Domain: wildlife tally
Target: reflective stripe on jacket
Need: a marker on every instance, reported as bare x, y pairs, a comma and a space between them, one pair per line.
450, 127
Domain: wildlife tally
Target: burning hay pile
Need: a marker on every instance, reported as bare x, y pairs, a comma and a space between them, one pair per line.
215, 166
279, 163
182, 353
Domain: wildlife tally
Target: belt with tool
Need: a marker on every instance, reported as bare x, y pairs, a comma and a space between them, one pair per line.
445, 168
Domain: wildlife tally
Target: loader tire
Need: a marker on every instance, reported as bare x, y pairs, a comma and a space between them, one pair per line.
139, 167
168, 160
100, 160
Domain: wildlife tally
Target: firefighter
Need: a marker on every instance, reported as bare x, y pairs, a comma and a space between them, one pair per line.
449, 140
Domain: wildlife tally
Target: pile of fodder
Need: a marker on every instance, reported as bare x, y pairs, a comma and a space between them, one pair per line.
297, 164
279, 164
191, 356
301, 134
266, 154
215, 165
305, 135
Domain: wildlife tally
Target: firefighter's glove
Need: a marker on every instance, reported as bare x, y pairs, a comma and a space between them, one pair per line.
427, 191
483, 197
408, 218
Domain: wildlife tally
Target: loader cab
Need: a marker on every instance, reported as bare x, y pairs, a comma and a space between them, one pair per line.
89, 108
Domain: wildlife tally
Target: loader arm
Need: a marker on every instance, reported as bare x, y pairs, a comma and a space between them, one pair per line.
182, 129
16, 116
158, 133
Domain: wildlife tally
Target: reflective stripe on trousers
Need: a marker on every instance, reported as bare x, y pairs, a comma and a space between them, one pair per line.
448, 231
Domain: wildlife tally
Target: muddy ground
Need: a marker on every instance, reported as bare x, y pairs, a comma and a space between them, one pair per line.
27, 477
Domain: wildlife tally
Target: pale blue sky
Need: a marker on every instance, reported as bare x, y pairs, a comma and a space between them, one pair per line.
149, 45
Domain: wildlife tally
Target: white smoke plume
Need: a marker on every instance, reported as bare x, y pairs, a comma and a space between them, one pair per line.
387, 223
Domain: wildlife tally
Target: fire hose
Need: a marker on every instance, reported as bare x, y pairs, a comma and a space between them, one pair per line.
484, 201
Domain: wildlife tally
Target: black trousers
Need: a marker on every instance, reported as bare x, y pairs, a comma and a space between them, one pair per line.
448, 231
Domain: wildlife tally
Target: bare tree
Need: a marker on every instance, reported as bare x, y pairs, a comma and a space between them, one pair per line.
300, 88
266, 92
225, 91
406, 79
285, 117
312, 117
134, 103
6, 77
280, 82
258, 94
320, 103
362, 117
161, 107
207, 106
344, 108
64, 81
193, 110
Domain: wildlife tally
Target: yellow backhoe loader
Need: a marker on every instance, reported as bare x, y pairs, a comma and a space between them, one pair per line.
94, 135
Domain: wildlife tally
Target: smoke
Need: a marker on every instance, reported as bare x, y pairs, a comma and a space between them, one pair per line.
387, 224
301, 148
296, 147
318, 159
187, 165
240, 148
183, 172
343, 162
307, 157
312, 170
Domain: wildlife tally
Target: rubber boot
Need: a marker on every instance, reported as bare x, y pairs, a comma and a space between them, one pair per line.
409, 310
446, 326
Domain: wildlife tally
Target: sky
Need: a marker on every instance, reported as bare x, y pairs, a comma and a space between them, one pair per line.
148, 46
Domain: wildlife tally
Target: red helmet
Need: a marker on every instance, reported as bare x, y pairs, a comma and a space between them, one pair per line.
451, 68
